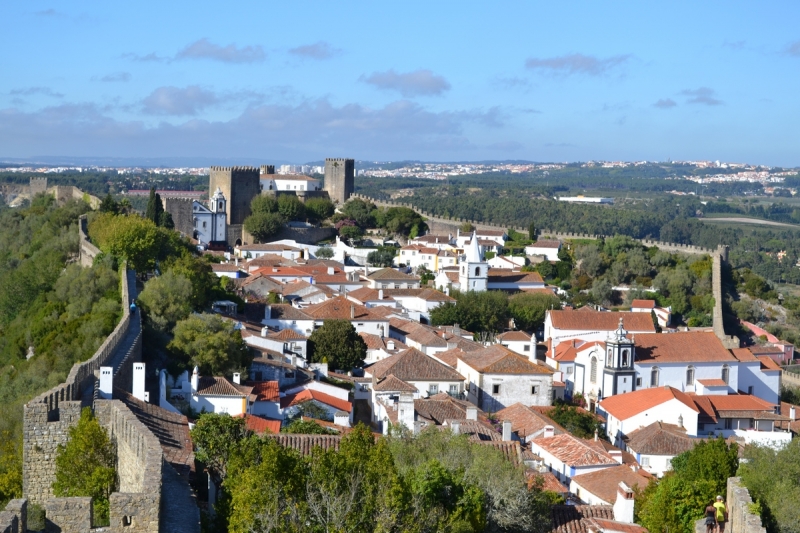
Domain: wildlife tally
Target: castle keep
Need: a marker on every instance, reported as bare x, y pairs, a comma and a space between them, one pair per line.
339, 178
239, 185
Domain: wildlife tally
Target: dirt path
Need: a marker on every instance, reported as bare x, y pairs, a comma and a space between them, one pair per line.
745, 220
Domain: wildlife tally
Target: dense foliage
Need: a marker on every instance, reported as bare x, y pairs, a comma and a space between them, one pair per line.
577, 421
773, 479
53, 313
677, 501
337, 344
85, 466
434, 482
211, 343
395, 220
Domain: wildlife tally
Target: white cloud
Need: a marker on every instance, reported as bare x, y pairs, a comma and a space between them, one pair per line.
422, 82
319, 50
576, 64
178, 101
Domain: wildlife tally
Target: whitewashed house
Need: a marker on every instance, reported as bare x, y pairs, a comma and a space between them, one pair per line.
547, 248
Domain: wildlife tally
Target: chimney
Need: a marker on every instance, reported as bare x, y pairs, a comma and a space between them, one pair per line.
236, 261
390, 346
623, 506
106, 382
380, 294
352, 312
792, 413
138, 381
506, 430
237, 378
405, 410
595, 435
330, 271
195, 379
264, 331
549, 431
616, 455
472, 413
417, 427
455, 427
268, 312
447, 291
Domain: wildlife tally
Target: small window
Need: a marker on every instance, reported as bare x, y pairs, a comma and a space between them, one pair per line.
750, 390
625, 357
654, 377
593, 371
728, 423
725, 372
690, 376
534, 389
433, 388
453, 389
259, 376
569, 370
127, 521
495, 389
204, 224
645, 461
638, 382
526, 347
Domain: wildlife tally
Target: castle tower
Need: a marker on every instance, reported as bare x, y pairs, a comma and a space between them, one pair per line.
267, 169
619, 375
38, 185
339, 178
239, 185
473, 271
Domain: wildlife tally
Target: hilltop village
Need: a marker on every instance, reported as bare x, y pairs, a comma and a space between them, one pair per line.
340, 326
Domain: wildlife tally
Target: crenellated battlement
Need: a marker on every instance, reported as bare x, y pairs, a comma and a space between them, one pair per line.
244, 168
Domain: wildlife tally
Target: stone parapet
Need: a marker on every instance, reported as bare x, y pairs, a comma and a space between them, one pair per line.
15, 517
740, 518
68, 515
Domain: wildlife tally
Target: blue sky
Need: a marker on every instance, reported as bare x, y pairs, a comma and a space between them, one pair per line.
437, 81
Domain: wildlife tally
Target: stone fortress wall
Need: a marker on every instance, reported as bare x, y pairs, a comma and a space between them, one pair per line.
182, 214
137, 506
741, 518
339, 178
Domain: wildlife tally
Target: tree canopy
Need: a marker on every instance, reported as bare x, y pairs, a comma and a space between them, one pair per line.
337, 344
210, 342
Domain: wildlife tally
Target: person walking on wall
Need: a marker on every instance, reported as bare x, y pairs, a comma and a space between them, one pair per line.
711, 517
721, 514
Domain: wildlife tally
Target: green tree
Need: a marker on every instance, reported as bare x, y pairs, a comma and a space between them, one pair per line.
215, 438
532, 231
264, 203
319, 209
262, 226
165, 220
291, 208
10, 467
475, 311
326, 252
360, 211
529, 309
85, 465
338, 344
351, 232
578, 422
108, 205
383, 256
166, 299
773, 479
154, 207
210, 342
198, 271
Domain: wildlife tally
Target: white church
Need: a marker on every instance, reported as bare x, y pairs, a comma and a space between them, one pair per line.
209, 221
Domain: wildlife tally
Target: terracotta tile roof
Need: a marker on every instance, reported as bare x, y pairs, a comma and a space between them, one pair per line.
547, 481
573, 518
171, 430
643, 304
601, 525
271, 358
510, 449
217, 386
376, 342
768, 363
224, 267
441, 407
280, 271
514, 336
268, 260
680, 347
587, 319
716, 382
424, 335
765, 350
526, 421
506, 276
545, 244
625, 406
497, 359
413, 365
391, 275
572, 450
566, 351
260, 425
477, 430
307, 395
266, 391
305, 444
390, 384
743, 354
340, 308
603, 483
660, 438
449, 357
287, 334
366, 294
739, 402
287, 312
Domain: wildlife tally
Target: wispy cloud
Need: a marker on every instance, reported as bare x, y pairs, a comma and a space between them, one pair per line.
30, 91
735, 45
794, 49
178, 101
422, 82
116, 77
50, 13
665, 103
577, 64
319, 50
701, 95
205, 49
